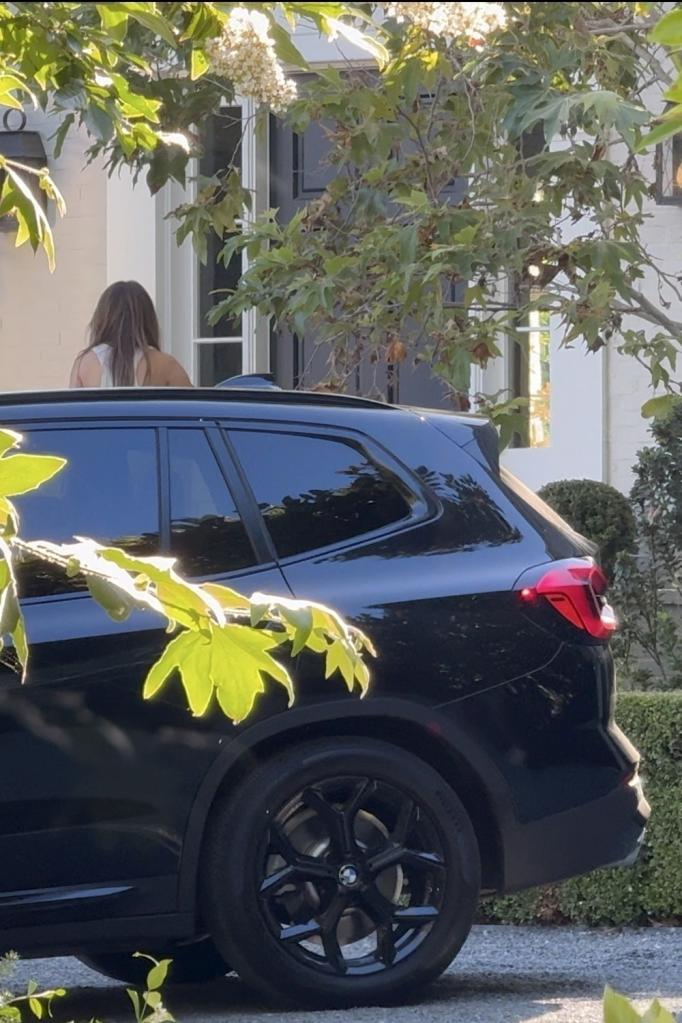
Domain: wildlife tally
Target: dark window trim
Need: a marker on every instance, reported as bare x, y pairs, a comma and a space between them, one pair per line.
244, 497
164, 489
422, 510
213, 435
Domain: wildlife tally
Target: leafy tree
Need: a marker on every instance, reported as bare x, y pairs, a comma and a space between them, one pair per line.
668, 32
141, 78
475, 188
535, 111
216, 648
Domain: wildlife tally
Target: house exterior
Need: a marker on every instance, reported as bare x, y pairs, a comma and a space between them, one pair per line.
590, 425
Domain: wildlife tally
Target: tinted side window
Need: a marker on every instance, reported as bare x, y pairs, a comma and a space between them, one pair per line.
316, 491
107, 491
207, 535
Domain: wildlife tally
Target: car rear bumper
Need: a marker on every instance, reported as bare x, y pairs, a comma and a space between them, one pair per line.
605, 832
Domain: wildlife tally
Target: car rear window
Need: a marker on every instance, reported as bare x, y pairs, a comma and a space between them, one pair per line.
563, 539
315, 491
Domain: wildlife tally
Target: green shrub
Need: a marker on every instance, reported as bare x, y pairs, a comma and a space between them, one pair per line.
649, 624
598, 511
652, 889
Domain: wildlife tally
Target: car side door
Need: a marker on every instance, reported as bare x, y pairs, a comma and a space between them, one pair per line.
344, 518
95, 783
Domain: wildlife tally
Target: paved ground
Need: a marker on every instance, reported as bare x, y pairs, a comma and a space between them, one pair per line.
503, 975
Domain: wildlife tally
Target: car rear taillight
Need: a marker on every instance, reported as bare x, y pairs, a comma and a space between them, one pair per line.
575, 588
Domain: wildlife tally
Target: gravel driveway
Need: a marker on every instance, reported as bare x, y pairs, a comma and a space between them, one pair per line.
503, 975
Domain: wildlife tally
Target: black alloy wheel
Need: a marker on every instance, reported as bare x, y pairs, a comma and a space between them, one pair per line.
340, 873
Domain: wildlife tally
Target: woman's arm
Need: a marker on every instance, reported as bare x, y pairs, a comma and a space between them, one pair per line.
75, 378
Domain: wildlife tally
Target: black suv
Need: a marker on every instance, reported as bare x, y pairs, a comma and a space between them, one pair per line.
334, 852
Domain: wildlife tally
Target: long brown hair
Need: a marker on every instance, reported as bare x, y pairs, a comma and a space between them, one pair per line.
125, 319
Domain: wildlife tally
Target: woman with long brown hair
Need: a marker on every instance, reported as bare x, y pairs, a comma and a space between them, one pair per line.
124, 350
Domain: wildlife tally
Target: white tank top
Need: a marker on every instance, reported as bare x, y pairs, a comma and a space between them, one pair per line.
103, 353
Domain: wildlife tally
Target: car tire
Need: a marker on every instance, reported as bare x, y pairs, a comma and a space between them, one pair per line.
194, 963
341, 872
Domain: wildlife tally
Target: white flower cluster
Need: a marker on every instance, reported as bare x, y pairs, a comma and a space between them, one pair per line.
471, 22
245, 53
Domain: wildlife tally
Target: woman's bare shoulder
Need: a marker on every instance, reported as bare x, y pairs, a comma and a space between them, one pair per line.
167, 372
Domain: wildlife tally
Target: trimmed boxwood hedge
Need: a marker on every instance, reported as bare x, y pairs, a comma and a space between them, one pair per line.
651, 890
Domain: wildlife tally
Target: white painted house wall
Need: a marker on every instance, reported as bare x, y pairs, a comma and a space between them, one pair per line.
43, 316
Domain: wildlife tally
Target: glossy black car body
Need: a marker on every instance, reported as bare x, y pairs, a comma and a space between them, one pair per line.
105, 799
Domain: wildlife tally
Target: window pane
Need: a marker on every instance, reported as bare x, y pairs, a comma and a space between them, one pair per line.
215, 277
218, 362
222, 149
108, 491
315, 491
207, 535
530, 371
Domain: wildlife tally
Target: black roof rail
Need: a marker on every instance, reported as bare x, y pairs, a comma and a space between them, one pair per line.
188, 394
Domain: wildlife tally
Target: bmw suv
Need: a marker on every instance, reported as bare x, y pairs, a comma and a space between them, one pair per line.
333, 853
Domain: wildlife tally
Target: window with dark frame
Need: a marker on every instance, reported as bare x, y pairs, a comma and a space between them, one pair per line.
108, 491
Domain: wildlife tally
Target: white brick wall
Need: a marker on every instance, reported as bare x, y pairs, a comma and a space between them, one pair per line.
43, 316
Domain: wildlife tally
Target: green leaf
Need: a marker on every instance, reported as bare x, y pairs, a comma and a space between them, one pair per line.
20, 642
668, 31
61, 133
363, 41
9, 519
656, 1013
284, 47
189, 654
146, 14
110, 596
618, 1009
259, 608
36, 1007
338, 659
659, 407
11, 618
362, 675
114, 21
239, 659
99, 123
228, 599
137, 1004
183, 602
195, 671
408, 245
170, 660
199, 64
157, 975
9, 83
670, 125
9, 439
20, 474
